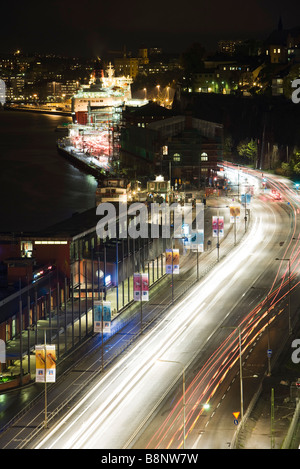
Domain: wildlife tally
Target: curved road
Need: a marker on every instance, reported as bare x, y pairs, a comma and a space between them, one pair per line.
199, 333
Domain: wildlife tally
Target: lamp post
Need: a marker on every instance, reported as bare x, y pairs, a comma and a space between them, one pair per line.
218, 230
44, 359
269, 352
183, 391
289, 304
238, 328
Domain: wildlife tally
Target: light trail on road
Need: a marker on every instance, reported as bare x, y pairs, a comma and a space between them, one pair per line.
227, 355
129, 393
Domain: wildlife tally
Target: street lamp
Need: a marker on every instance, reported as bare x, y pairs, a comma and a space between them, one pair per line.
218, 230
269, 352
238, 328
183, 391
289, 310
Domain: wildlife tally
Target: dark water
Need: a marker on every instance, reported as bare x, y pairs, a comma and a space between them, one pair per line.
38, 187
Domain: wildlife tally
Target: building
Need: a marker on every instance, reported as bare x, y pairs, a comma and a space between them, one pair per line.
175, 147
191, 155
282, 44
229, 46
41, 271
127, 66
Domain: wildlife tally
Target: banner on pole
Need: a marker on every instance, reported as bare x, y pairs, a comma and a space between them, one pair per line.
235, 212
140, 287
196, 241
172, 261
218, 226
45, 371
100, 318
245, 199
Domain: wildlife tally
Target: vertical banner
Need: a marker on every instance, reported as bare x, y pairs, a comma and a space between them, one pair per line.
145, 287
137, 287
218, 226
40, 363
197, 241
50, 364
172, 266
45, 371
245, 199
98, 305
141, 287
235, 212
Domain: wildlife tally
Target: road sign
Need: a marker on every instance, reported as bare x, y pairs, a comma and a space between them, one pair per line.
236, 414
269, 353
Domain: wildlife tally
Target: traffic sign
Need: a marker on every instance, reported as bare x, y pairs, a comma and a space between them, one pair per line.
236, 414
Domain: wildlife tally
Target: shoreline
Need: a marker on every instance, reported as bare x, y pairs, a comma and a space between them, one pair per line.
80, 163
39, 111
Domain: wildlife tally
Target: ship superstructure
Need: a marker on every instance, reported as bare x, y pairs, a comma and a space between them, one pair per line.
106, 91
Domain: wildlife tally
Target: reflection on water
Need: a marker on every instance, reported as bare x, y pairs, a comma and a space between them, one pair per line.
38, 187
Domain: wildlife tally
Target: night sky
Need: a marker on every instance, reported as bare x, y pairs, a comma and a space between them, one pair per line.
91, 27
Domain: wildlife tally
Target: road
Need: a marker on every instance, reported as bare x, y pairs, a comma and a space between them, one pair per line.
193, 335
137, 401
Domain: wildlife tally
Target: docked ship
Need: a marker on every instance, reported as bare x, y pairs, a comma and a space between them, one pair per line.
92, 142
105, 92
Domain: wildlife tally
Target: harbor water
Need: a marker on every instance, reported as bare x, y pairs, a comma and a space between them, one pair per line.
38, 186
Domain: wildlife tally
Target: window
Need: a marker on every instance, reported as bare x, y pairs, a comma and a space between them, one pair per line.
26, 248
165, 150
204, 157
51, 242
176, 157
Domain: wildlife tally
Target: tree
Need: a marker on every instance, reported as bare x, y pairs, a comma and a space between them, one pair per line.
295, 161
286, 169
248, 149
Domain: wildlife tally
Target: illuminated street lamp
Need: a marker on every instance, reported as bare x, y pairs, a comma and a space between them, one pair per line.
183, 392
205, 406
158, 88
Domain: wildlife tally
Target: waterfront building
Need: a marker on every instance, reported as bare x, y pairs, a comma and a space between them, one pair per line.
172, 146
54, 276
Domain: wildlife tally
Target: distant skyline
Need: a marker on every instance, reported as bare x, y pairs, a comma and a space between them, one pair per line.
91, 28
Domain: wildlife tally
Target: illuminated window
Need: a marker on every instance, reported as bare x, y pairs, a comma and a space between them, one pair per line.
51, 242
165, 150
204, 157
26, 248
176, 157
